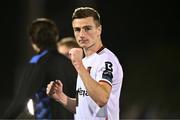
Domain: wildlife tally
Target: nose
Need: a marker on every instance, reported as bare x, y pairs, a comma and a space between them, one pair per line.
82, 33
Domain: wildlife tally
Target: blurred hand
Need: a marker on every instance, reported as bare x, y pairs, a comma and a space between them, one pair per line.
54, 89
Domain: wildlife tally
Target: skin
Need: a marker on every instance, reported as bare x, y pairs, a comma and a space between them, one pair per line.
64, 50
36, 49
87, 34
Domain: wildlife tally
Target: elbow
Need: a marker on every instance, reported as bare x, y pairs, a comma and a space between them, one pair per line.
103, 101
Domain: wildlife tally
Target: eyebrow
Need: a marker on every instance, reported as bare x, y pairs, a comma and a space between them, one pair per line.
89, 26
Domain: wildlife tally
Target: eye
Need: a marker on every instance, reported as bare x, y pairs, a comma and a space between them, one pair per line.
87, 28
76, 29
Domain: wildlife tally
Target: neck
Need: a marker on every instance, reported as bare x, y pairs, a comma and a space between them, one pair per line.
92, 49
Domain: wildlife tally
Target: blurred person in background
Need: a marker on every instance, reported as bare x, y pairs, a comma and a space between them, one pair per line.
46, 65
65, 44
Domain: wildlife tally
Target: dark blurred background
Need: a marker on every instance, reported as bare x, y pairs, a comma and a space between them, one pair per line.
143, 34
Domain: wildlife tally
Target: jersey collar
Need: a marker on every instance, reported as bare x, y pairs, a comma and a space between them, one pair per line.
100, 49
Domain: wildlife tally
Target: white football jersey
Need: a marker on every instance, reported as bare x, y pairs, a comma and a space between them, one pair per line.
103, 66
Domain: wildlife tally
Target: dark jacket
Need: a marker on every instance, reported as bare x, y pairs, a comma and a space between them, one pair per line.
34, 76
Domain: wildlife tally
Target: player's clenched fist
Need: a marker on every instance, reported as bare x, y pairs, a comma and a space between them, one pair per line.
76, 55
54, 89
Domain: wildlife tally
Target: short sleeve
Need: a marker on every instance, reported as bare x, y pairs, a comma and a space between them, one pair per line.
105, 70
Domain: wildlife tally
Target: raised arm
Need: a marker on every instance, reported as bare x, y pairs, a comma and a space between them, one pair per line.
98, 91
55, 90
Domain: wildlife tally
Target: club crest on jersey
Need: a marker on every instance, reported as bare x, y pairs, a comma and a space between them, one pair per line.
89, 69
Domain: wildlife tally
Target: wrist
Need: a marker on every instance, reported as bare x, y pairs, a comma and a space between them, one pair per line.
62, 98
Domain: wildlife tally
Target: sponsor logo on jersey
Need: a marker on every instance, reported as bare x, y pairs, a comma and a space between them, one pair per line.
82, 92
107, 73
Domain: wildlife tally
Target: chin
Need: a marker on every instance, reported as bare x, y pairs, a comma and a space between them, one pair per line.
83, 46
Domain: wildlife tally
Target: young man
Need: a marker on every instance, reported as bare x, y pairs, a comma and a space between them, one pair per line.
99, 72
46, 65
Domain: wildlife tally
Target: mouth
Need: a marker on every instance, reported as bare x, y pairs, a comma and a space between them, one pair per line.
83, 41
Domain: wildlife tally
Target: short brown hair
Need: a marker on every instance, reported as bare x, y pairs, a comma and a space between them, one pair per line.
83, 12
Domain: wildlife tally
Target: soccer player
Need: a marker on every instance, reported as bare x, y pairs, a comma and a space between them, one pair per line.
100, 73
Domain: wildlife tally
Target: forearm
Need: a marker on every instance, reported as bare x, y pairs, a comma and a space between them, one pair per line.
95, 90
67, 102
98, 92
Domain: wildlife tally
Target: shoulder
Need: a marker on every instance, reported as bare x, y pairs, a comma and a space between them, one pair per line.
108, 57
55, 61
53, 56
107, 54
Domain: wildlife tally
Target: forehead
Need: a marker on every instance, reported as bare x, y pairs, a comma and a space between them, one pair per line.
80, 22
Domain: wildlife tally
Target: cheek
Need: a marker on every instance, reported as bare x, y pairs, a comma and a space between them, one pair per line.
92, 35
76, 35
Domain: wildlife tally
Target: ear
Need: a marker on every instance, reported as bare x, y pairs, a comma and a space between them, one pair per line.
99, 29
57, 38
35, 47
